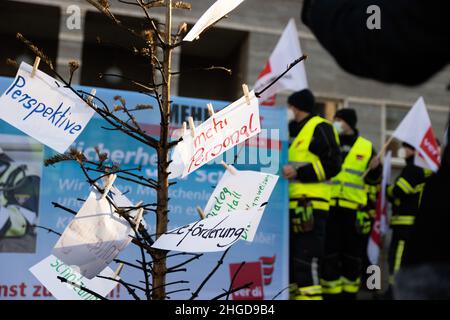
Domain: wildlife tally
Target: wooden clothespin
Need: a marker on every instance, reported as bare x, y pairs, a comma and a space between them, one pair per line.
201, 213
108, 184
230, 168
246, 93
118, 270
138, 218
35, 66
183, 128
192, 126
91, 97
210, 109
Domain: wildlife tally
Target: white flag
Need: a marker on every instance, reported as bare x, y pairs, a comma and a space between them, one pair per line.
225, 129
286, 51
44, 109
216, 12
241, 190
48, 270
96, 235
415, 129
208, 235
380, 222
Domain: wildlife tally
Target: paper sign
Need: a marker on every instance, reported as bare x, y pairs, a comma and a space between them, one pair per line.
51, 267
207, 235
45, 110
244, 190
216, 12
225, 129
96, 235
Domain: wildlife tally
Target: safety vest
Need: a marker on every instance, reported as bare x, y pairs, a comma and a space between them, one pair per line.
348, 187
300, 155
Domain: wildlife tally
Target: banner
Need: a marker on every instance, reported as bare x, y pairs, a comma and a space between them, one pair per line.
64, 183
41, 107
216, 12
415, 129
286, 51
241, 190
222, 131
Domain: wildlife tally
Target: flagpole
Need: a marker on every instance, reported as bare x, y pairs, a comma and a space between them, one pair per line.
380, 154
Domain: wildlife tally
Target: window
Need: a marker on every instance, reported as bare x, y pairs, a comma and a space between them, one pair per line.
216, 47
114, 53
38, 23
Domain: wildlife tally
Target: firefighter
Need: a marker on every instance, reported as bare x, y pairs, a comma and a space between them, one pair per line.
349, 220
405, 195
314, 158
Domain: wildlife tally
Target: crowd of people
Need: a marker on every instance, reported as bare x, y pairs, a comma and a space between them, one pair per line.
335, 172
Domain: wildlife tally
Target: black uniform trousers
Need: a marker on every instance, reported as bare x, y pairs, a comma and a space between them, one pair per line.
306, 250
344, 247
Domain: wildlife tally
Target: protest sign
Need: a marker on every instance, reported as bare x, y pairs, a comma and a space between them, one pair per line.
286, 51
222, 131
48, 270
207, 235
216, 12
96, 235
243, 190
44, 109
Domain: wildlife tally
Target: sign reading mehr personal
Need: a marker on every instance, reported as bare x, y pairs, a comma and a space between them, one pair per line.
41, 107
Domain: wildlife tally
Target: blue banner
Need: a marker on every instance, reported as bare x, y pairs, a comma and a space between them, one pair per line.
28, 189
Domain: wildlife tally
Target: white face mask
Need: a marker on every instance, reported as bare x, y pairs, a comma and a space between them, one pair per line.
290, 115
338, 126
401, 153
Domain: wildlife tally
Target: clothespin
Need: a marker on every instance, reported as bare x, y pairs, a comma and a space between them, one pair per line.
201, 213
183, 130
108, 184
118, 270
210, 109
35, 66
91, 97
138, 217
192, 126
231, 169
246, 93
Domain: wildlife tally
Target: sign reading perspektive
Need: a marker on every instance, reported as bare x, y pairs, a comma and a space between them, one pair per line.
44, 109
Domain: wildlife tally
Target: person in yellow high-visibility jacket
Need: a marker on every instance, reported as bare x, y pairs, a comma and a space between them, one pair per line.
314, 157
348, 221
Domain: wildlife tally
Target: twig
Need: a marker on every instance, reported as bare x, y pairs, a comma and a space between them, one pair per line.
293, 64
234, 278
247, 285
76, 285
219, 263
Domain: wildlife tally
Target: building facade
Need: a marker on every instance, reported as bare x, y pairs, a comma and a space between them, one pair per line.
242, 42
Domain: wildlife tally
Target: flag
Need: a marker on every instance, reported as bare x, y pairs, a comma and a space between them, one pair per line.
415, 129
380, 223
286, 51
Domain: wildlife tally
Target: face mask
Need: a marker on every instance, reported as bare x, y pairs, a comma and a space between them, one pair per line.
401, 153
290, 115
338, 126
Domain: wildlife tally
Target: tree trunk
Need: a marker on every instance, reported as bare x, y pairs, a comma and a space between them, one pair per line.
159, 265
